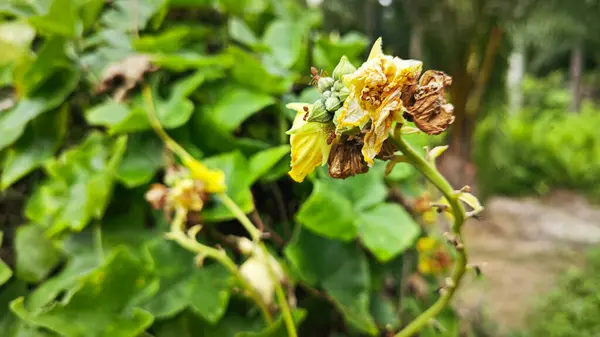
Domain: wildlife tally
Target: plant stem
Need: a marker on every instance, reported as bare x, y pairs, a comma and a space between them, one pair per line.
458, 210
241, 217
221, 257
285, 311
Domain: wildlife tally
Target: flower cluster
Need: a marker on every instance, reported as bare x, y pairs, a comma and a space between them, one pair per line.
349, 125
180, 191
433, 256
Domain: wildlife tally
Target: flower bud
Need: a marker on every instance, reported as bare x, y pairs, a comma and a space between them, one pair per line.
338, 85
325, 83
326, 94
344, 67
318, 113
333, 103
343, 93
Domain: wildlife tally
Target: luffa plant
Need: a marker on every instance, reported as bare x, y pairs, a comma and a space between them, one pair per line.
361, 116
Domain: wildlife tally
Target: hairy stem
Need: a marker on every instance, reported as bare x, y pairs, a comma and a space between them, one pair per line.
220, 256
458, 211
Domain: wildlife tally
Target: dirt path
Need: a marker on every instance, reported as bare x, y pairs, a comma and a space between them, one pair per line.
526, 245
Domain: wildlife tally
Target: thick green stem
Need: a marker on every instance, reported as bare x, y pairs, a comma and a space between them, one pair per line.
241, 217
458, 211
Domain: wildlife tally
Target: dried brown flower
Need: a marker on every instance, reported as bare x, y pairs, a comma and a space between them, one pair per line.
430, 111
346, 159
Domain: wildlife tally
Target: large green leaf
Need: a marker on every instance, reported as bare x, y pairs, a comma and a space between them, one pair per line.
78, 187
113, 290
328, 213
143, 157
36, 254
278, 328
248, 70
363, 190
41, 139
387, 230
341, 269
15, 39
262, 162
187, 324
61, 19
46, 83
285, 39
130, 17
204, 290
234, 104
238, 181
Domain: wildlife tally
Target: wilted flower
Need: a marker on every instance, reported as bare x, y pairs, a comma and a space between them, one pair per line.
376, 90
180, 192
430, 112
311, 142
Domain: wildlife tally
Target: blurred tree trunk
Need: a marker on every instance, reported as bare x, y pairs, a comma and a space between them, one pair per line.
575, 73
516, 72
416, 41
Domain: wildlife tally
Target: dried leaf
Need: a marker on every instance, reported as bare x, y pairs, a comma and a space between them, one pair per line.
430, 111
345, 158
122, 77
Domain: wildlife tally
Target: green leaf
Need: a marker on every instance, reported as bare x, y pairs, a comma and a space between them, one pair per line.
142, 158
237, 180
78, 187
384, 312
264, 161
285, 39
41, 139
5, 272
15, 39
113, 290
328, 213
387, 230
249, 71
127, 17
61, 19
187, 324
341, 269
240, 32
277, 329
36, 254
183, 61
235, 104
363, 190
204, 290
168, 41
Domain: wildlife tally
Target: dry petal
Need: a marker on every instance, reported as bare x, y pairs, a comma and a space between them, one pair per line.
430, 111
345, 159
156, 195
123, 76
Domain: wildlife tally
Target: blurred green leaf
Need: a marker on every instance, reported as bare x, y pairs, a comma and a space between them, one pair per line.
329, 49
344, 274
204, 290
36, 254
112, 289
328, 213
234, 104
130, 16
142, 158
384, 312
168, 41
187, 324
189, 60
240, 32
363, 190
285, 39
387, 230
249, 71
277, 329
5, 272
40, 141
61, 19
78, 187
262, 162
237, 180
15, 39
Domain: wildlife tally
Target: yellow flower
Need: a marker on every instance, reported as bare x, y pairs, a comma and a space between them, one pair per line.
376, 90
309, 141
214, 180
433, 258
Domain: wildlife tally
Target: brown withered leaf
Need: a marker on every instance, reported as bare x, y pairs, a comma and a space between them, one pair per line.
430, 111
346, 159
122, 77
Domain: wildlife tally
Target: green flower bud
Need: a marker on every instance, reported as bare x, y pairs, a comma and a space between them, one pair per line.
338, 85
326, 94
325, 83
344, 67
332, 103
318, 113
343, 93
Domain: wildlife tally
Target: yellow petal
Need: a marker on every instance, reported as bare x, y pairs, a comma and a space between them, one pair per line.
424, 266
382, 121
214, 180
376, 50
309, 144
426, 244
352, 115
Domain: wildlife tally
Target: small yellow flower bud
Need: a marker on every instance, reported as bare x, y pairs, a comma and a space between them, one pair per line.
344, 67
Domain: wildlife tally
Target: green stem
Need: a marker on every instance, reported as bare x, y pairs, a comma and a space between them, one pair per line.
241, 217
221, 257
458, 210
285, 311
